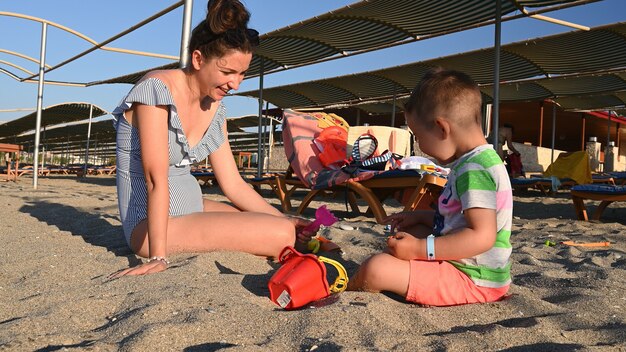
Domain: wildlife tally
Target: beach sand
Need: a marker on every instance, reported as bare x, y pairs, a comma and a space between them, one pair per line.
60, 242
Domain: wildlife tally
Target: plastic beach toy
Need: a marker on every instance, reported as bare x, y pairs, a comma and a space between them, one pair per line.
301, 279
323, 216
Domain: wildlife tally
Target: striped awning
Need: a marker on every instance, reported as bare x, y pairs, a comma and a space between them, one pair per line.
577, 63
370, 25
68, 133
52, 115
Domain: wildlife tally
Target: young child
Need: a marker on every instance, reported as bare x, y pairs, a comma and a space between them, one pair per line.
460, 253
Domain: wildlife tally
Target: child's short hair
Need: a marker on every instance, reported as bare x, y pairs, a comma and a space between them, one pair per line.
445, 93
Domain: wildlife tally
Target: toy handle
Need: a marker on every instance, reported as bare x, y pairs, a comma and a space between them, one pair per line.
341, 283
287, 252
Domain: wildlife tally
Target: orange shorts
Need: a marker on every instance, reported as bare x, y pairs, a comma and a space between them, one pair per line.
439, 283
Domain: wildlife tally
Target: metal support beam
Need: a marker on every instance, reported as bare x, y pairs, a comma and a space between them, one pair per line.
496, 74
42, 67
87, 144
553, 131
393, 108
184, 40
260, 149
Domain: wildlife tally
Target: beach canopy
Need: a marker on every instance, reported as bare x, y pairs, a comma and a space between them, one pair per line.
574, 65
371, 25
52, 115
71, 132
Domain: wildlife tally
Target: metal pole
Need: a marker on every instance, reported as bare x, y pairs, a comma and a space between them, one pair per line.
42, 64
393, 108
553, 131
608, 129
582, 135
184, 39
267, 127
358, 117
607, 154
43, 149
260, 150
88, 136
496, 76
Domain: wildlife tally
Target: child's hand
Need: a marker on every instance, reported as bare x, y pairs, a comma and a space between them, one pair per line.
402, 221
403, 246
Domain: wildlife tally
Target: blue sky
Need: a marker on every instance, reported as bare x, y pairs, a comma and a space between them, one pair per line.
100, 20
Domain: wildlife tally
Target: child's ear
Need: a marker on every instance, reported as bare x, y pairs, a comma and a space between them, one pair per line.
443, 127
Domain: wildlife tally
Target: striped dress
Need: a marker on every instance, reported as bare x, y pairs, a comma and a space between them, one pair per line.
478, 179
184, 191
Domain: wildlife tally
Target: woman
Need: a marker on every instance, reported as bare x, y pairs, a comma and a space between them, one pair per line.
172, 118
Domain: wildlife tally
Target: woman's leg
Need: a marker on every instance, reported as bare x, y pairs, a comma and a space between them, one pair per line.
221, 227
382, 272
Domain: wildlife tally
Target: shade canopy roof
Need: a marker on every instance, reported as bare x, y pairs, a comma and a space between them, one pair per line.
52, 115
370, 25
555, 62
100, 130
72, 136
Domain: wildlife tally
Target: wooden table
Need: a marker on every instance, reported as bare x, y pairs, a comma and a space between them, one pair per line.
12, 148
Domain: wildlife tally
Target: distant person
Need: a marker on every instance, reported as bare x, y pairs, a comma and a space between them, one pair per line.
512, 158
173, 118
460, 253
505, 136
7, 159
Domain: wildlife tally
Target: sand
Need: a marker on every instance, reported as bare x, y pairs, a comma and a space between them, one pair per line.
60, 243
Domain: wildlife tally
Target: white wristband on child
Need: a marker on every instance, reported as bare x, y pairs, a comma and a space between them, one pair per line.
430, 247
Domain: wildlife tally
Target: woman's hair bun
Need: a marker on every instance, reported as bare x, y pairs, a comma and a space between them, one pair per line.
223, 15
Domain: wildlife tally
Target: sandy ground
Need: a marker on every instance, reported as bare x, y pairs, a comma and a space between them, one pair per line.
60, 243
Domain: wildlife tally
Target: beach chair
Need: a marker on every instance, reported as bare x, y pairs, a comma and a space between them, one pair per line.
206, 178
571, 169
568, 170
299, 132
29, 169
619, 177
606, 194
543, 184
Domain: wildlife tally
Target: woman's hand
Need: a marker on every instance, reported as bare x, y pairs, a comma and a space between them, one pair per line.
402, 221
150, 267
404, 246
302, 235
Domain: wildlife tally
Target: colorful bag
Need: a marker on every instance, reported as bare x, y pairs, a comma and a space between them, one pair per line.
302, 279
364, 156
331, 142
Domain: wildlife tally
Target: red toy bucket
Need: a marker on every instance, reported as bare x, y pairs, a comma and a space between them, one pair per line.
302, 279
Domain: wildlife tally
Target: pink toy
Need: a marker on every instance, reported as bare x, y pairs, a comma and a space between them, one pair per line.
323, 216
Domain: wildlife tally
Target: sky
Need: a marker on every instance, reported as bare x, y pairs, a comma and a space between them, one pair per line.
101, 20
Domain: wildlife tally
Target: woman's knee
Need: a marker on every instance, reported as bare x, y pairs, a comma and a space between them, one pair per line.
213, 206
284, 234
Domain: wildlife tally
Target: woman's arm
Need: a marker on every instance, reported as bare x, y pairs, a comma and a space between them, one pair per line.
233, 186
151, 122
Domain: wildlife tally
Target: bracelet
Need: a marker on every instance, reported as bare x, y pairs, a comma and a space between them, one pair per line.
161, 259
430, 247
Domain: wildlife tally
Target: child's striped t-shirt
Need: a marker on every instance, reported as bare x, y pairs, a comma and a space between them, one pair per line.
479, 179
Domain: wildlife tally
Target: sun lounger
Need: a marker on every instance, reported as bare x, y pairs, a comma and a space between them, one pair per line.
299, 133
30, 170
424, 186
619, 177
607, 194
206, 178
544, 184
